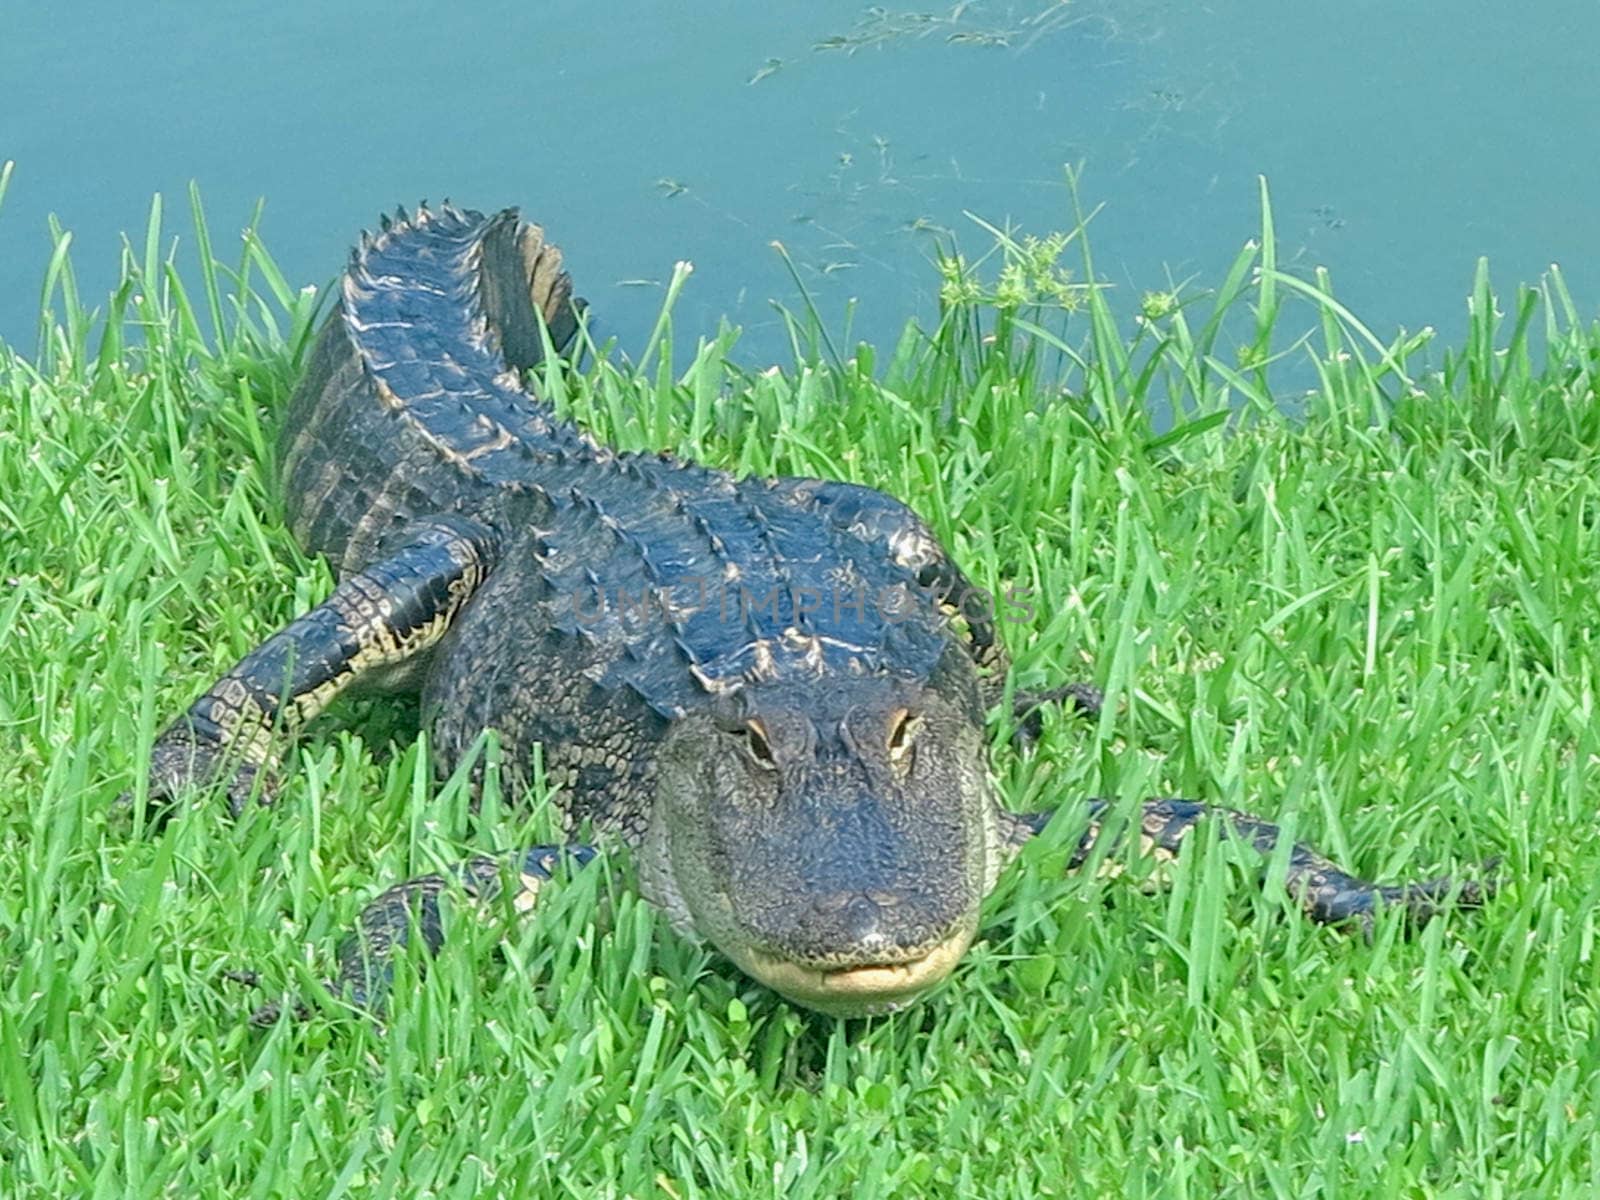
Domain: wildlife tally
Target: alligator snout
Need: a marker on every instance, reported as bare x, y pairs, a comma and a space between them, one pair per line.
859, 916
859, 952
868, 987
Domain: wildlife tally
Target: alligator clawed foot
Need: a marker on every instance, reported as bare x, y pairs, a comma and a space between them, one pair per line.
184, 763
267, 1014
1428, 899
1355, 905
1027, 708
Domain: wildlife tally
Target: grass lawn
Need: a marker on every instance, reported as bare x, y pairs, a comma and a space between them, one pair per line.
1373, 620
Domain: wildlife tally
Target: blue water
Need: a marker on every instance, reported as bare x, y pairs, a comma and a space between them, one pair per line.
1400, 141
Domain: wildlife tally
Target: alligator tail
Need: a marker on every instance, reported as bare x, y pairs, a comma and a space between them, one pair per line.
410, 404
517, 265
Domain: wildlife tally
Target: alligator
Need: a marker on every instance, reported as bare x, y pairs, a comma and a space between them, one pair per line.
775, 691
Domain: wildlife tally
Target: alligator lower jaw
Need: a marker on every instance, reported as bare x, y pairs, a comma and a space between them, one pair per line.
870, 989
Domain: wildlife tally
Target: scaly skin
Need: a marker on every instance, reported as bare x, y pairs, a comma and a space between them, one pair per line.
773, 691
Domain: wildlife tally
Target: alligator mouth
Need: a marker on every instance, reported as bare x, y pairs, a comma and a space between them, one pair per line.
860, 989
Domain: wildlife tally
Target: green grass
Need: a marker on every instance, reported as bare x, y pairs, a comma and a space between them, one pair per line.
1373, 620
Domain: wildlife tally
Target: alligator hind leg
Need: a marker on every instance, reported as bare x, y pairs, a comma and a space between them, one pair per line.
367, 956
376, 623
1329, 894
894, 529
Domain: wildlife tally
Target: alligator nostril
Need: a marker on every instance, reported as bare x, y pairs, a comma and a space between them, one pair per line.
855, 915
861, 917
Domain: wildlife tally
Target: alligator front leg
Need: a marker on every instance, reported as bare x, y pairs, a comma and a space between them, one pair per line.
1329, 894
377, 622
367, 956
1027, 707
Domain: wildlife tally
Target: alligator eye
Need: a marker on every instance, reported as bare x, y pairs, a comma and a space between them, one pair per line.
756, 740
902, 737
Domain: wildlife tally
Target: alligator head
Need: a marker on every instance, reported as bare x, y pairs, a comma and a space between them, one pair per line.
834, 838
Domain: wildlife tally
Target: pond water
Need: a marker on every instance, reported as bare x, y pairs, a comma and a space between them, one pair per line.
1400, 141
